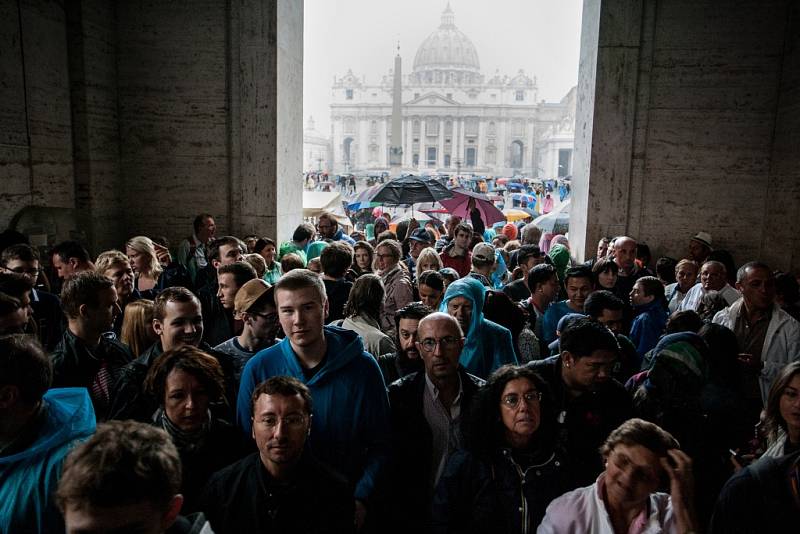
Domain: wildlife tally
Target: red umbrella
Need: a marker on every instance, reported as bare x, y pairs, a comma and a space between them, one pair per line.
458, 206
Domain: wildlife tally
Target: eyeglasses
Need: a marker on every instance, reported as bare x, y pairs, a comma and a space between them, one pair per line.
429, 344
291, 421
267, 316
23, 270
512, 399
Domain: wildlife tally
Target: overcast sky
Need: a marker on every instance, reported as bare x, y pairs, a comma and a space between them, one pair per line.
540, 36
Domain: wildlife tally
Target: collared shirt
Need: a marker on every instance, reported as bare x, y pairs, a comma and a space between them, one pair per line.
695, 295
443, 423
751, 336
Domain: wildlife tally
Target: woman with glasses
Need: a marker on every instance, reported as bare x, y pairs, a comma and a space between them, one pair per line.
640, 458
187, 382
509, 470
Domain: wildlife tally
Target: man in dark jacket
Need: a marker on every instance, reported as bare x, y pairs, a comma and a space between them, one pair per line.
178, 321
589, 403
282, 487
406, 359
336, 258
85, 357
427, 408
351, 410
218, 325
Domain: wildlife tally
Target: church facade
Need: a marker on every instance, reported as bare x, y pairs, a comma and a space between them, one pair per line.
454, 119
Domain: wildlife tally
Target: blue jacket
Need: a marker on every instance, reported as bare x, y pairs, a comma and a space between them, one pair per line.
350, 429
29, 478
648, 326
488, 345
554, 313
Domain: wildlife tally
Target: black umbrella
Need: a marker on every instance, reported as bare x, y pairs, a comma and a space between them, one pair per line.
411, 189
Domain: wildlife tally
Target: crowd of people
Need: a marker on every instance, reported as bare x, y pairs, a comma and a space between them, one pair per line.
468, 381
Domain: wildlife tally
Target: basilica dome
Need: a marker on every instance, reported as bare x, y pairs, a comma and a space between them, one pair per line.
447, 55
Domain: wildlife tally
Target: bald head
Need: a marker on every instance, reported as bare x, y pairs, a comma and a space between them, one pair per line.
625, 253
438, 324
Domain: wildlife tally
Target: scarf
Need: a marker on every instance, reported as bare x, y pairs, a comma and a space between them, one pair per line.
184, 441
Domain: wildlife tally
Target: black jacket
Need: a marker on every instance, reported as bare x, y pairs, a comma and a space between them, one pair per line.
496, 495
76, 365
338, 292
217, 321
50, 323
584, 421
243, 497
413, 442
130, 401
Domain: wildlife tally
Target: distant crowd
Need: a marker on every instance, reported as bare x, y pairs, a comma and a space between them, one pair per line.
455, 379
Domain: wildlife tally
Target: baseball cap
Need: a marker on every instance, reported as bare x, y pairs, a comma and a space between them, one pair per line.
704, 238
483, 252
421, 235
250, 292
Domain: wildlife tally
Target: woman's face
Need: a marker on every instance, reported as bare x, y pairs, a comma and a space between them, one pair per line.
790, 404
428, 265
362, 258
632, 474
186, 402
607, 279
268, 253
137, 259
385, 260
519, 411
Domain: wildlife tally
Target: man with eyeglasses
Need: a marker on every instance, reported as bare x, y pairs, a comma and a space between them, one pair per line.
351, 410
24, 259
328, 228
589, 403
282, 487
254, 305
427, 408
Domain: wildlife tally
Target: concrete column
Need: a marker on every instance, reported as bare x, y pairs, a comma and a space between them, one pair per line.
423, 155
462, 151
454, 143
440, 150
266, 122
528, 161
408, 149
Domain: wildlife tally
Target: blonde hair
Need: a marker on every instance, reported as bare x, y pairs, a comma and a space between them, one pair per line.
427, 254
108, 259
144, 245
136, 324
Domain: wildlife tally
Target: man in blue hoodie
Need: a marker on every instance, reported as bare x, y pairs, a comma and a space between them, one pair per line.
37, 429
350, 429
647, 298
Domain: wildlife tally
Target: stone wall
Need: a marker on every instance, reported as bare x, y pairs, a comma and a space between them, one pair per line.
688, 98
134, 116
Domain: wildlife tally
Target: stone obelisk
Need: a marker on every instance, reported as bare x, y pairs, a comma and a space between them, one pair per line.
396, 149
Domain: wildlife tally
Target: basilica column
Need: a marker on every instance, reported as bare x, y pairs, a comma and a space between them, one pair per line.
481, 142
408, 147
530, 146
462, 151
440, 150
454, 143
423, 154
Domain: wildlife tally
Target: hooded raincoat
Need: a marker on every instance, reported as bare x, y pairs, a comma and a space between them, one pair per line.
28, 479
350, 429
488, 345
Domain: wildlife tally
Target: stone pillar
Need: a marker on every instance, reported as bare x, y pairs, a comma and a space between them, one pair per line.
382, 144
408, 149
454, 154
266, 122
440, 150
481, 143
462, 152
529, 161
423, 154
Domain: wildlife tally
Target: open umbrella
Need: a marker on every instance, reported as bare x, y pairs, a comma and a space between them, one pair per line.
410, 189
363, 199
461, 198
516, 214
557, 221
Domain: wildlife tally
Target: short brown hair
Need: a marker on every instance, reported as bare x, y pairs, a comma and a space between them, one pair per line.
640, 432
290, 262
301, 279
25, 365
172, 294
336, 258
124, 462
83, 288
13, 287
652, 286
241, 270
190, 360
282, 385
